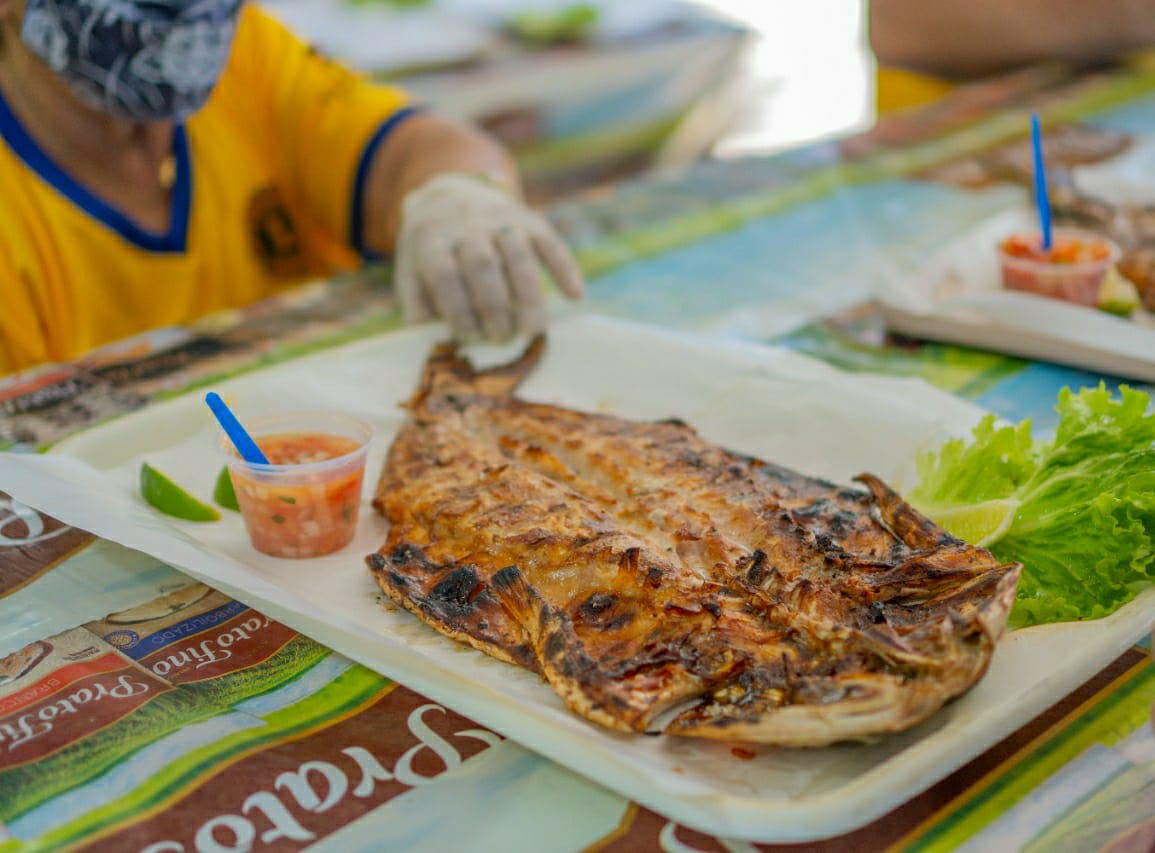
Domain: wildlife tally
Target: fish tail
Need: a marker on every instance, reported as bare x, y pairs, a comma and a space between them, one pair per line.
447, 370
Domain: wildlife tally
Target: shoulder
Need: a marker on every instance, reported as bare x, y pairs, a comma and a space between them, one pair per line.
260, 29
262, 53
261, 45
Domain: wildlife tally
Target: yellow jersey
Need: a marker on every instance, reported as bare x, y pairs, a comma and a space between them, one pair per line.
268, 188
898, 89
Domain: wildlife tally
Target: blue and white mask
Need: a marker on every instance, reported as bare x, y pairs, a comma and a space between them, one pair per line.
145, 60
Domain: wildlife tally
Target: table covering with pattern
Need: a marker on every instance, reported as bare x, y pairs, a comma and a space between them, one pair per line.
254, 737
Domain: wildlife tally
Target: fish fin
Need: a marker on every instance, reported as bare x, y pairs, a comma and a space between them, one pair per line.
446, 371
562, 657
452, 598
993, 614
892, 648
445, 366
903, 520
521, 599
938, 576
550, 632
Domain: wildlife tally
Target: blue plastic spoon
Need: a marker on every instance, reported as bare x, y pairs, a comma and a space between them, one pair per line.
241, 440
1041, 199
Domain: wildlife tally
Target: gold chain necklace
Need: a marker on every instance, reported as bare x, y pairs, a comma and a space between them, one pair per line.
166, 174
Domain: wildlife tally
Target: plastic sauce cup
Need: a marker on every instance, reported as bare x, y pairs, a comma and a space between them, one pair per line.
305, 503
1073, 270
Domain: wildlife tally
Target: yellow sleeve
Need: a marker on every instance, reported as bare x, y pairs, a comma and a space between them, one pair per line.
326, 120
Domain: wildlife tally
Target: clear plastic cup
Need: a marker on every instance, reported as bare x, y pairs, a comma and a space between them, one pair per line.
1079, 281
306, 502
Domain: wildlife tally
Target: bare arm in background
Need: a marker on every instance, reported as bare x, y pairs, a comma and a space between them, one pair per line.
954, 39
420, 148
444, 199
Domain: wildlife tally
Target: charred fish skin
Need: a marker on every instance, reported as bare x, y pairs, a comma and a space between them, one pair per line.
452, 599
626, 695
637, 566
935, 613
819, 558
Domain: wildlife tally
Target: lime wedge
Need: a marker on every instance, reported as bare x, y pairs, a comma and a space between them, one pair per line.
1117, 295
223, 493
163, 494
979, 524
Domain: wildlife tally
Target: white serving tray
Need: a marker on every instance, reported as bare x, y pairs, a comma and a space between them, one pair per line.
769, 402
957, 297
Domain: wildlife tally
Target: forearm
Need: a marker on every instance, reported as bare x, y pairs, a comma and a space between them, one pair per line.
984, 36
419, 148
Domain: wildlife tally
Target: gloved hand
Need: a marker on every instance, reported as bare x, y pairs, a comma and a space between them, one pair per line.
469, 253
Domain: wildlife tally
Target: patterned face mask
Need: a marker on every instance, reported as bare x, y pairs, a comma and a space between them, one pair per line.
144, 60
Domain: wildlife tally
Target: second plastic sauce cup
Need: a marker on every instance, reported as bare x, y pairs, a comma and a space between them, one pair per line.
1073, 271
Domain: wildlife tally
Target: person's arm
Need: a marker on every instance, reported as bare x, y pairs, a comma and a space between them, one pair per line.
443, 199
420, 148
959, 40
363, 162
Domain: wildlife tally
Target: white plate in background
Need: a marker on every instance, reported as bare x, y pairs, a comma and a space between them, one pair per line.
957, 296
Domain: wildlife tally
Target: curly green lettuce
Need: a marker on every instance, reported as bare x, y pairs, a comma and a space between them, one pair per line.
1084, 526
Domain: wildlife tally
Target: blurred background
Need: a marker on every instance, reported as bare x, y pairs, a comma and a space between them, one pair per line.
587, 92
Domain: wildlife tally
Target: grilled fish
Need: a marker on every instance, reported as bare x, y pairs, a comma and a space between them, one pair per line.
658, 581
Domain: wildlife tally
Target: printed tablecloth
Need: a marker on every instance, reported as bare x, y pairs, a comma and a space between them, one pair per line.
180, 719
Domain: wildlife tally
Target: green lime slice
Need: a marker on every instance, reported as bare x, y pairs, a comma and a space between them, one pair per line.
979, 524
1118, 295
223, 493
163, 494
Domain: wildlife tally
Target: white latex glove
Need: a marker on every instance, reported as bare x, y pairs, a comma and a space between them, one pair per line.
469, 253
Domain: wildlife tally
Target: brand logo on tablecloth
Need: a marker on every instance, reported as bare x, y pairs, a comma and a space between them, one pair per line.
73, 702
299, 791
122, 640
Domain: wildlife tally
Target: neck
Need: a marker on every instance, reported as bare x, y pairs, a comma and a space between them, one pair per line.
127, 163
65, 126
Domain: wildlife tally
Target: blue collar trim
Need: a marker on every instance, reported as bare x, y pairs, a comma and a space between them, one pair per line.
34, 157
361, 181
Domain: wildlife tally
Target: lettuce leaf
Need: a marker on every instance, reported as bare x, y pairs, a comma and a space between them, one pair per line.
1085, 525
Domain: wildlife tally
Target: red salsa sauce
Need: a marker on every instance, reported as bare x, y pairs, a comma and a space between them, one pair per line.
304, 448
1072, 270
1064, 249
310, 516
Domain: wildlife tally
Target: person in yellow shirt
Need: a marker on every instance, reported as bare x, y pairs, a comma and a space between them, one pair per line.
924, 47
161, 159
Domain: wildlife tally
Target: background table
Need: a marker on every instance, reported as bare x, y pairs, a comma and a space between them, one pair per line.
778, 250
653, 82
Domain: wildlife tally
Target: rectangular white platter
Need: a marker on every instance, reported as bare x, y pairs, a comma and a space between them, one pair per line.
768, 402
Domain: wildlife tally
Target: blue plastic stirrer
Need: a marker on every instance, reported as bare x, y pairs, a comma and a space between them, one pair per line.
1041, 199
241, 440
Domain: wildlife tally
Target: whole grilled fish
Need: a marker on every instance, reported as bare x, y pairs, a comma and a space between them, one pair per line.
646, 573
